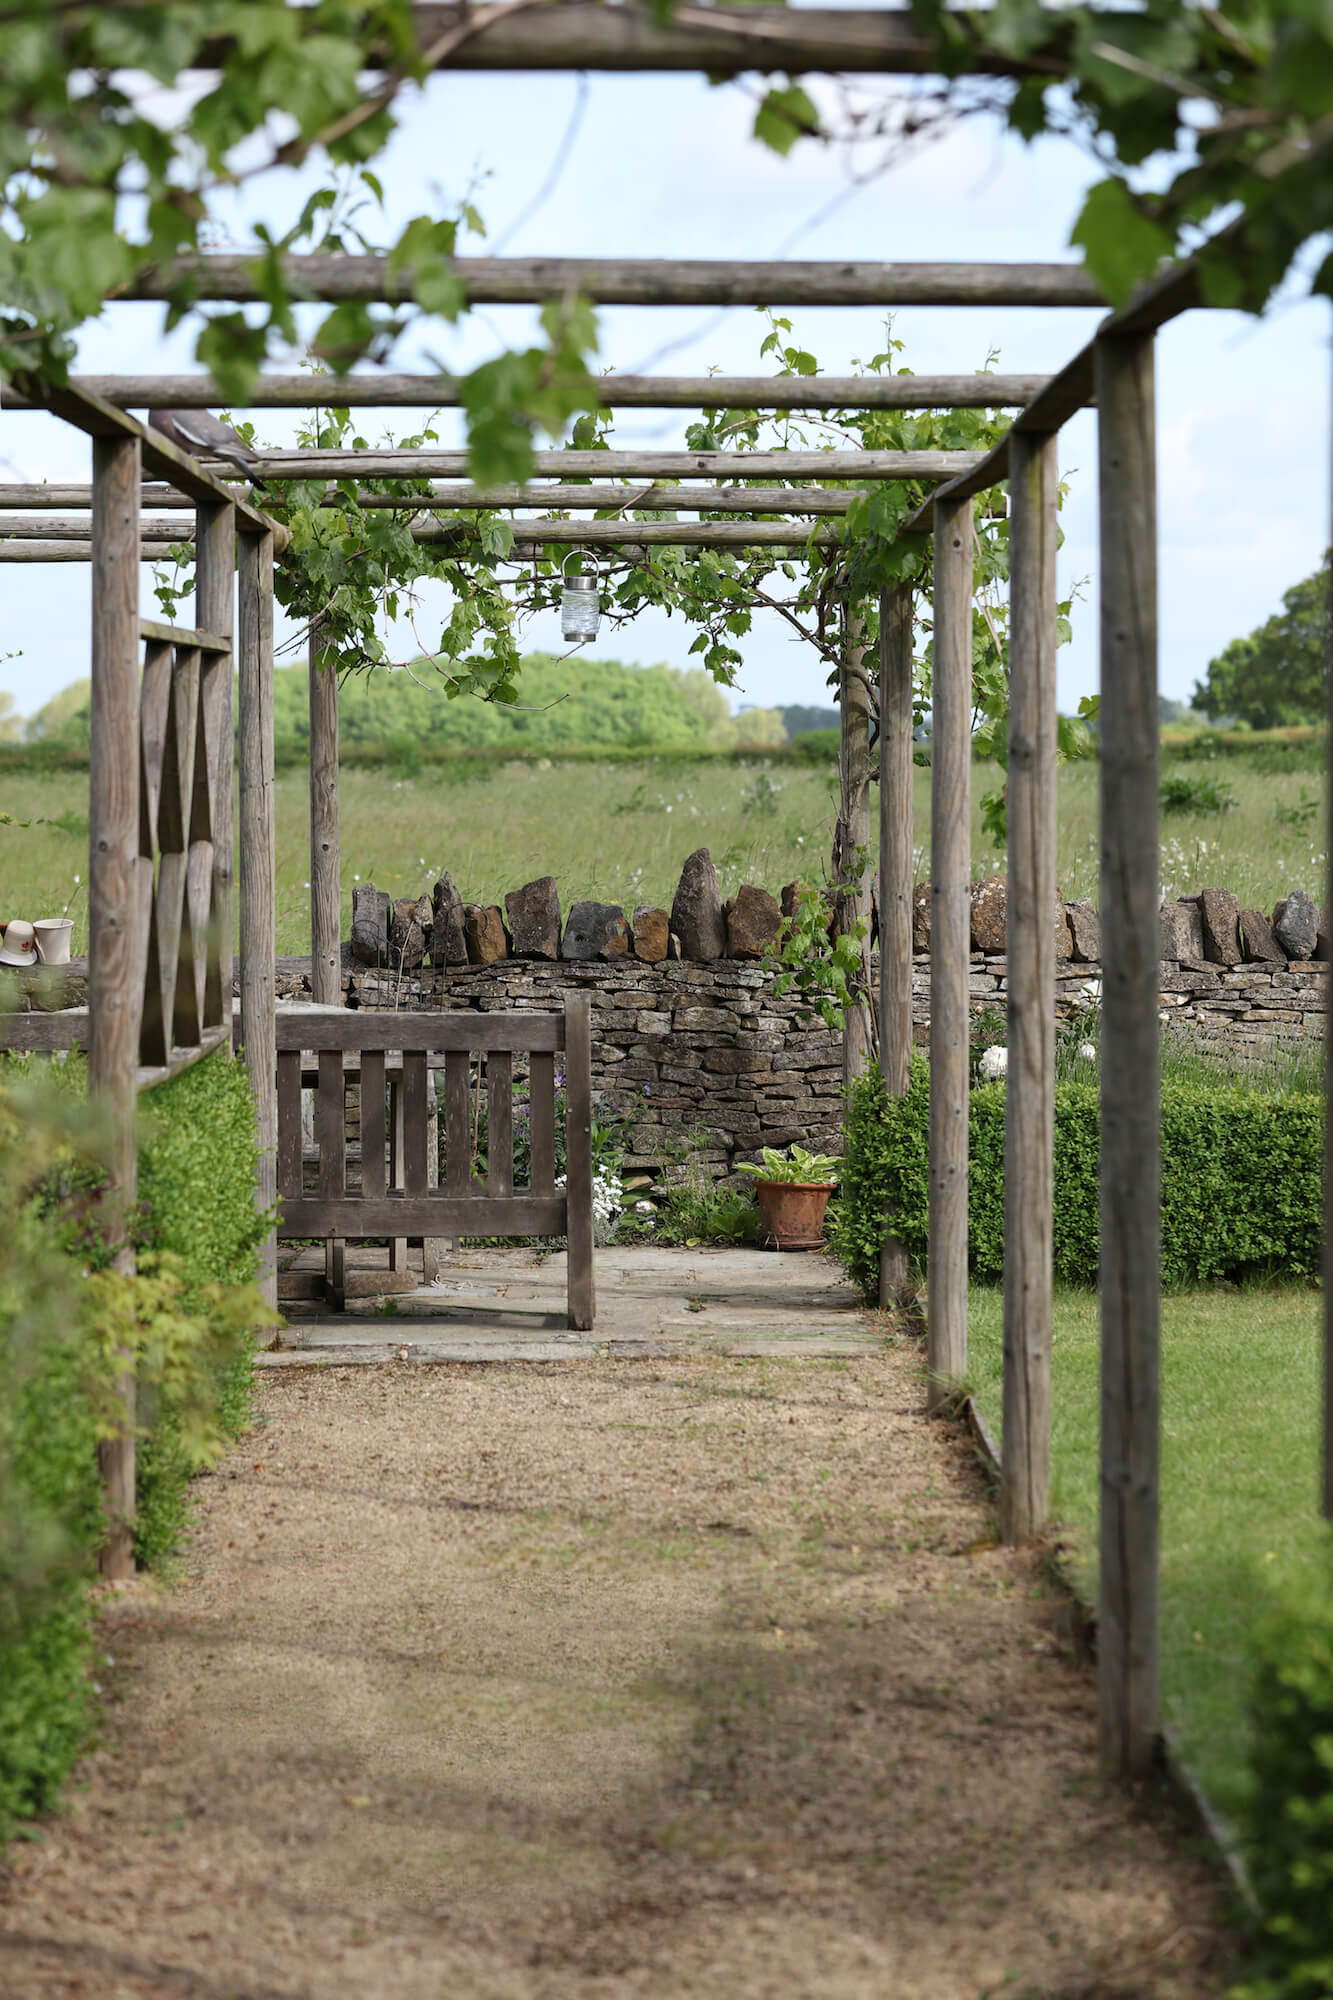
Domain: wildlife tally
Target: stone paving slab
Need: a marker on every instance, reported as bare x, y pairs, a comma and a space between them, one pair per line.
509, 1305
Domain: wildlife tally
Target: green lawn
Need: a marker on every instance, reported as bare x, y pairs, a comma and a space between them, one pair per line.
1240, 1427
620, 831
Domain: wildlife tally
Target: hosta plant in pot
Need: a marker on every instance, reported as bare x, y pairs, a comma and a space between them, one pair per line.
793, 1190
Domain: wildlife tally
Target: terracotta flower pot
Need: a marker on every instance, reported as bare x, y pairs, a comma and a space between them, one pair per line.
792, 1213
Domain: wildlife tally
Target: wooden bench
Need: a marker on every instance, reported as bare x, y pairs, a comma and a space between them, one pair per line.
380, 1047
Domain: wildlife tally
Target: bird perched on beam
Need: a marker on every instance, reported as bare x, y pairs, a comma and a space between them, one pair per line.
203, 435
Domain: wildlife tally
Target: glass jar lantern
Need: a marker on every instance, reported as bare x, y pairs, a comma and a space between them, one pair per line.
580, 602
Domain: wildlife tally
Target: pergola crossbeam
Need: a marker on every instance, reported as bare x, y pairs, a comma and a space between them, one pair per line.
719, 42
366, 279
615, 392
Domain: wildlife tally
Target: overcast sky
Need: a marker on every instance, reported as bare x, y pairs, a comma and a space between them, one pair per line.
665, 166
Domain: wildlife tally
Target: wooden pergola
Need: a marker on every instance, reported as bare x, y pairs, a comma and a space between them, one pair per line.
1114, 371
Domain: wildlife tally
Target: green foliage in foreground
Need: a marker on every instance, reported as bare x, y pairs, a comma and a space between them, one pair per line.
66, 1317
1241, 1179
1291, 1810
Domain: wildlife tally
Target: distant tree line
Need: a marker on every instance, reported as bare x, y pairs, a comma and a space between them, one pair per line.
565, 702
1279, 674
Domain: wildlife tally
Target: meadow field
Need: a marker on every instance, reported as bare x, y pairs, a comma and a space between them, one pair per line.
619, 831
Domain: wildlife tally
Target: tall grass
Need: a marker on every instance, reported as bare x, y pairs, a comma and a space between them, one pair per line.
619, 830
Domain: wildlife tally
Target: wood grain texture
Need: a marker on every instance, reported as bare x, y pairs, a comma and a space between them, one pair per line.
378, 390
1128, 1617
214, 596
1029, 1137
950, 944
414, 1123
499, 1123
541, 1111
257, 862
374, 1133
331, 1125
325, 864
582, 1301
852, 836
289, 1125
783, 466
366, 1028
457, 1122
434, 1215
895, 885
646, 281
115, 996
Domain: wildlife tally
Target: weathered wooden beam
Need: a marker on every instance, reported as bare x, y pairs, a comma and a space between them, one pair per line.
895, 886
1128, 1641
635, 281
258, 880
717, 41
852, 837
115, 996
1029, 1134
786, 466
366, 391
215, 607
581, 1294
950, 946
325, 852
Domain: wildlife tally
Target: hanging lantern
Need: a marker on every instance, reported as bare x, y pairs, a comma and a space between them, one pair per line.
580, 602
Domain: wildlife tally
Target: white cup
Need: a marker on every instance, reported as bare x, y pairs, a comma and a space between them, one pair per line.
53, 935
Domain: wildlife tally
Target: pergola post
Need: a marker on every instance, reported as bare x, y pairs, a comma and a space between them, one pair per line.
325, 870
1029, 1129
214, 604
895, 885
950, 943
852, 841
1128, 1621
115, 995
257, 871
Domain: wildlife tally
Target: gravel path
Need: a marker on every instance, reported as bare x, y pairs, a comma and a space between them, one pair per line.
696, 1676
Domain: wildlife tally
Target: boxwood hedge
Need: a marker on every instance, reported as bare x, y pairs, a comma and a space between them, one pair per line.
1241, 1180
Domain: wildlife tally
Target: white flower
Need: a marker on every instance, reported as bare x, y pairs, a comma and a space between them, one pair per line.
1088, 1052
994, 1064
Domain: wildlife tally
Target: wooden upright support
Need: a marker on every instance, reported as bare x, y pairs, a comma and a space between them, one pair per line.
1128, 1623
950, 945
214, 601
1029, 1135
851, 865
325, 869
578, 1161
257, 869
1326, 1480
895, 885
115, 994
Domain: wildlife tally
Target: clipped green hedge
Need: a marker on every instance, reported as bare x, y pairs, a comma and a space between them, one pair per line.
197, 1233
1241, 1180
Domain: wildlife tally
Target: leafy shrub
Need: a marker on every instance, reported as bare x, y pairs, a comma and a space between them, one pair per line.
66, 1318
1180, 794
197, 1164
1241, 1179
1289, 1833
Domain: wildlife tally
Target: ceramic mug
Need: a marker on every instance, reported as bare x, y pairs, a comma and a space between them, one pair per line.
53, 937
